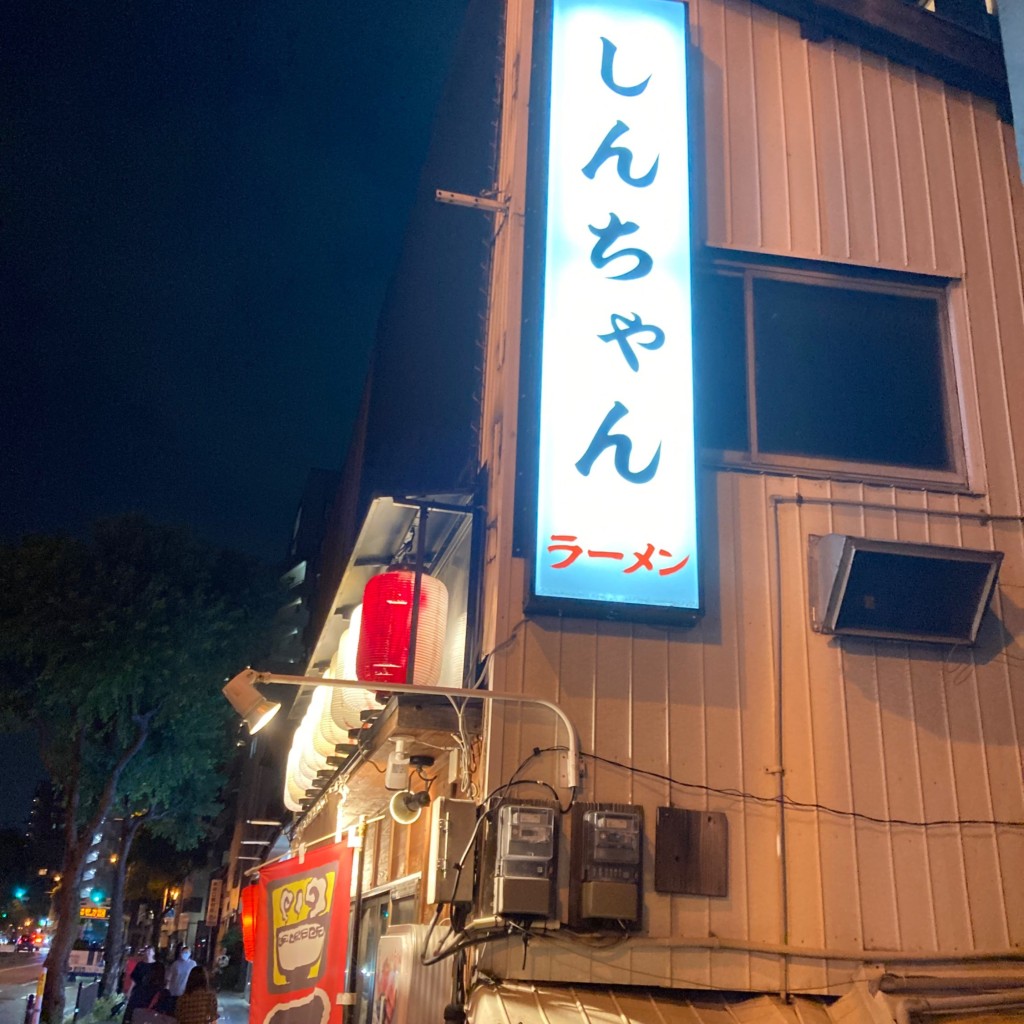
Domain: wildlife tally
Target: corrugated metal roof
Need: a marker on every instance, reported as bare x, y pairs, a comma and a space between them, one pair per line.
521, 1003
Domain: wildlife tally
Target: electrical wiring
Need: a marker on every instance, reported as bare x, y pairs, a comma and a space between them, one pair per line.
499, 795
803, 805
464, 745
551, 789
536, 752
460, 945
568, 941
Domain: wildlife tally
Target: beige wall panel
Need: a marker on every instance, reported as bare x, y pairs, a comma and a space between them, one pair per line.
914, 177
983, 326
867, 760
651, 742
612, 710
828, 148
805, 229
612, 717
832, 786
931, 718
1013, 170
941, 182
853, 126
806, 917
507, 666
1000, 194
751, 529
903, 798
541, 664
724, 740
689, 693
890, 229
904, 777
772, 158
1001, 795
741, 127
576, 688
798, 115
714, 223
864, 754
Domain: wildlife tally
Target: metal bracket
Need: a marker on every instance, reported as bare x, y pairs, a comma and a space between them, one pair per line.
492, 204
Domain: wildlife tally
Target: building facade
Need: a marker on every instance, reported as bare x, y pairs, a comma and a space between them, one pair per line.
826, 801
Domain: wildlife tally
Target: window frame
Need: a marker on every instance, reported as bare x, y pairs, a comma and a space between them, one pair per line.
749, 267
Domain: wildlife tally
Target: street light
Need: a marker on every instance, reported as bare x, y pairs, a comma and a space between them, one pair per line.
243, 695
254, 708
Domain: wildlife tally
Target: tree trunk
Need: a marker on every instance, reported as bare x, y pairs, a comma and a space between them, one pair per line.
77, 840
66, 909
113, 948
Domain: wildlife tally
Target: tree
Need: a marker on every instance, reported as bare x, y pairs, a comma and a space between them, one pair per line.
172, 793
109, 645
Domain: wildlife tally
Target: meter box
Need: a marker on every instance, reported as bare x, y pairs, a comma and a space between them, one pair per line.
524, 882
452, 823
606, 877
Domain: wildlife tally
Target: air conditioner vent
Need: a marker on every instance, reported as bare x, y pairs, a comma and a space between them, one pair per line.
895, 591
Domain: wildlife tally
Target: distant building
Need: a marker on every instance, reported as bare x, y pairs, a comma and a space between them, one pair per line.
302, 568
44, 833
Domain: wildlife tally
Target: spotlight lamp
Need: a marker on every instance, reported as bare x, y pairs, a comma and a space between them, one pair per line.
406, 807
249, 703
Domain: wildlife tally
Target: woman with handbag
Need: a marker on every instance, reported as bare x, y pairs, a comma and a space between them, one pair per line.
150, 1000
199, 1003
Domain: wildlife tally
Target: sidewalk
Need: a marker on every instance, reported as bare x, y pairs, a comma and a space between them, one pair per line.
234, 1007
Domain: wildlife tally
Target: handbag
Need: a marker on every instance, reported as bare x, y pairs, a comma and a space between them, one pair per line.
144, 1015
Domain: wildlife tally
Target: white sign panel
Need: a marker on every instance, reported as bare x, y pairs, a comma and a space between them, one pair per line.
616, 509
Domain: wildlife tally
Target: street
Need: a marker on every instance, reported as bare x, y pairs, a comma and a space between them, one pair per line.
18, 975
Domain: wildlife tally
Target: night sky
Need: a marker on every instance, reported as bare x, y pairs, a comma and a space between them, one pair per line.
200, 207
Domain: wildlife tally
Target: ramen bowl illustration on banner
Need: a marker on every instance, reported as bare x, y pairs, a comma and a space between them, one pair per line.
300, 907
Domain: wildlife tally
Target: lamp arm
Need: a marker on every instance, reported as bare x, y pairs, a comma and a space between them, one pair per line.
251, 676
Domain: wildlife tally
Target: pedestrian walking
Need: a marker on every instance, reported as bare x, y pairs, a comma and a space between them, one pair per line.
199, 1003
179, 971
150, 994
136, 969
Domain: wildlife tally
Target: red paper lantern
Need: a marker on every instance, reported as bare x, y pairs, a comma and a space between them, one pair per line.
383, 655
249, 905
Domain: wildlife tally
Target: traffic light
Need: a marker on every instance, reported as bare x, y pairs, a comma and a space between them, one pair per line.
20, 893
97, 896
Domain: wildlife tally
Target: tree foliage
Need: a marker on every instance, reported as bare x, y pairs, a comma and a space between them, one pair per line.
113, 649
140, 621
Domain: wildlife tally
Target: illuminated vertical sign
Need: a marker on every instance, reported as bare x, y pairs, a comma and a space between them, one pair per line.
616, 512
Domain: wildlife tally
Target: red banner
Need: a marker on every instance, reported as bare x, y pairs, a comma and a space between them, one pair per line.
302, 938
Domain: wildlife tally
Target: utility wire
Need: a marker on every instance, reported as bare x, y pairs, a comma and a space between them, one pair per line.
803, 805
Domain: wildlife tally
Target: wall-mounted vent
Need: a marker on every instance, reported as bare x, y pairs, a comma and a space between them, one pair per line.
895, 591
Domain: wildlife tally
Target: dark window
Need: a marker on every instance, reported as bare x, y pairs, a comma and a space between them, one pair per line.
720, 360
829, 371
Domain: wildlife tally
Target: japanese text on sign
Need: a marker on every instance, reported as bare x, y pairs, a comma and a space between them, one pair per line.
616, 515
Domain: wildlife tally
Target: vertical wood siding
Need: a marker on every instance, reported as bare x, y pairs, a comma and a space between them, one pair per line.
821, 151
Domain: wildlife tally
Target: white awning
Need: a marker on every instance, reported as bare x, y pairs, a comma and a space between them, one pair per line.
524, 1003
